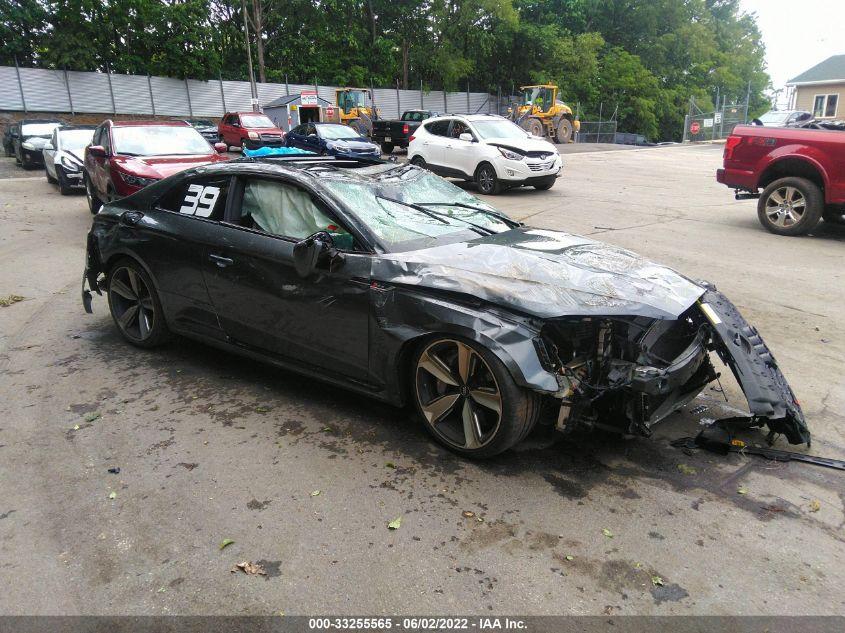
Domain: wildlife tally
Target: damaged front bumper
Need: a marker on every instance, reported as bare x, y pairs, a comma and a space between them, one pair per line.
638, 372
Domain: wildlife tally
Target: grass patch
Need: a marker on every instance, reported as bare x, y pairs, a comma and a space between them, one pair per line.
5, 302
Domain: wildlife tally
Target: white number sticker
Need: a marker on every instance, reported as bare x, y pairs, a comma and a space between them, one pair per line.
200, 200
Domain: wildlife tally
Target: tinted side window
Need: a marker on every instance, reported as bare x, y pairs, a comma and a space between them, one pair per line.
200, 197
438, 128
299, 129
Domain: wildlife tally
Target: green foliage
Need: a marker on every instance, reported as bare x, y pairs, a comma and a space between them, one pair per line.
642, 59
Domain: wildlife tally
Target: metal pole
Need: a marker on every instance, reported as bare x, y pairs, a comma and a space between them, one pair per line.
499, 101
152, 97
222, 94
422, 101
469, 109
287, 86
398, 103
598, 134
684, 139
111, 90
188, 92
20, 83
252, 87
69, 96
747, 100
445, 103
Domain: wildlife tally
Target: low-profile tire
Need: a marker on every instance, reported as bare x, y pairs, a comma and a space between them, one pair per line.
135, 306
563, 134
545, 185
467, 399
790, 206
487, 180
50, 179
419, 161
387, 148
64, 187
94, 203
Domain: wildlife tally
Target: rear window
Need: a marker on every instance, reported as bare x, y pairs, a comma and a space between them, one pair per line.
414, 116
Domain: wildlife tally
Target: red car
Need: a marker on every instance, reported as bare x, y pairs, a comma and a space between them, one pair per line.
800, 171
126, 156
249, 130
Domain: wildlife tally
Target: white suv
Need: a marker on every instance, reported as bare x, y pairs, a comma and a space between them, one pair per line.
487, 149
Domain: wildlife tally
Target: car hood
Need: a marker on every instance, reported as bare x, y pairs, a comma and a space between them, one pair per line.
524, 145
38, 142
546, 274
351, 143
164, 166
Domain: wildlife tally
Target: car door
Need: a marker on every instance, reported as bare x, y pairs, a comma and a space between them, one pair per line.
434, 143
296, 137
50, 154
320, 322
461, 156
312, 139
98, 166
172, 239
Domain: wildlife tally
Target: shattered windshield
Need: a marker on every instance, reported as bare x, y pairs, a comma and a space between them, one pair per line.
445, 213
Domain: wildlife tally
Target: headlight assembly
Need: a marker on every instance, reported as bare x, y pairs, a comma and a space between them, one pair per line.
70, 164
253, 135
28, 145
509, 154
137, 181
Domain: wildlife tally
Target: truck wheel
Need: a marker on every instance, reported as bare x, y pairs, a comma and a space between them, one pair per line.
387, 148
790, 206
535, 127
564, 131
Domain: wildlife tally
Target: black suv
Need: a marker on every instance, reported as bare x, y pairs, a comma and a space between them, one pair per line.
25, 139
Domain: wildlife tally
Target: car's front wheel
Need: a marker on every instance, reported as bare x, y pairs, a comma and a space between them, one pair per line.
135, 306
486, 179
64, 186
94, 203
468, 400
50, 179
790, 206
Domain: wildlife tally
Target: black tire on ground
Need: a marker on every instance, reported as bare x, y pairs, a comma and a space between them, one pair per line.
94, 203
64, 187
546, 184
419, 161
387, 148
487, 403
486, 179
535, 127
135, 306
563, 134
790, 206
50, 179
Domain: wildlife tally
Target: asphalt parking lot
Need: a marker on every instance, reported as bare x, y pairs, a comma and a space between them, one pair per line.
211, 447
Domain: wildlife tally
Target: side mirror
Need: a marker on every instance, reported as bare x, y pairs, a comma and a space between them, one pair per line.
307, 253
97, 151
466, 136
221, 148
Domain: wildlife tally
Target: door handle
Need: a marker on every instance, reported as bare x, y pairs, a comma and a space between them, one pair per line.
221, 261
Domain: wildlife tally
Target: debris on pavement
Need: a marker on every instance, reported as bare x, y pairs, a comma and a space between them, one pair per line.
226, 542
316, 493
742, 490
468, 514
249, 568
687, 470
815, 505
115, 470
91, 416
112, 495
657, 581
390, 465
8, 300
395, 523
607, 532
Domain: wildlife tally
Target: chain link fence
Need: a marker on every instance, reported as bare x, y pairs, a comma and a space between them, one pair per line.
711, 126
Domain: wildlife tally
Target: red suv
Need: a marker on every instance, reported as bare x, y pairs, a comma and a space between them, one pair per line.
125, 156
249, 130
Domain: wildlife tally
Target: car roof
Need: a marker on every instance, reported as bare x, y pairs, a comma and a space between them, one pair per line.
25, 121
243, 112
180, 123
77, 127
469, 117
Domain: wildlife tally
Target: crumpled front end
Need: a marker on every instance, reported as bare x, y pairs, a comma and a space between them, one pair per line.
628, 373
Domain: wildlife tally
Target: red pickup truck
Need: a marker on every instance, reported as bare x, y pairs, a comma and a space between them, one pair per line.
801, 173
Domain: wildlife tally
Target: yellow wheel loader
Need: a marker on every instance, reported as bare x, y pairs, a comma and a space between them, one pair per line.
355, 109
542, 114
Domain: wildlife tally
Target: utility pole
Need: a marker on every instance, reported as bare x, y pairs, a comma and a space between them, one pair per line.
253, 88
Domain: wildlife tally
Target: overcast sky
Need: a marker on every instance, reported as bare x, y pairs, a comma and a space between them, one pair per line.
798, 33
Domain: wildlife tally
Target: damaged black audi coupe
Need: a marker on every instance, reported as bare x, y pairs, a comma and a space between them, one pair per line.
391, 281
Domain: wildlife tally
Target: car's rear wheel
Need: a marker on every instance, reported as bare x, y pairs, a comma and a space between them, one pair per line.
468, 400
94, 203
486, 179
790, 206
387, 148
419, 161
135, 306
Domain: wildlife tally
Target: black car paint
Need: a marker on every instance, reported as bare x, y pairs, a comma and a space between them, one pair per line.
357, 321
360, 145
16, 139
394, 129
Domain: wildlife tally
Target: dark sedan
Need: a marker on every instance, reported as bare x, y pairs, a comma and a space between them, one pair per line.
331, 138
388, 280
27, 139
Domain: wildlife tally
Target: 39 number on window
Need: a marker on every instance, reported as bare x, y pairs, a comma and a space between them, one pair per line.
200, 200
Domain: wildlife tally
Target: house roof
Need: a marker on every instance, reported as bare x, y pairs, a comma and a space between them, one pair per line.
830, 70
294, 99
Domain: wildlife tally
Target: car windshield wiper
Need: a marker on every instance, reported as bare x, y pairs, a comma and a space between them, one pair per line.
442, 217
492, 214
